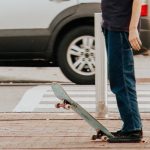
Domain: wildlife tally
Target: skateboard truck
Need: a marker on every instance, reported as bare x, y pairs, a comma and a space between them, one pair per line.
100, 136
64, 105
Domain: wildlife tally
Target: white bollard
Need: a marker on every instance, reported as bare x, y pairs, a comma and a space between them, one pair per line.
101, 69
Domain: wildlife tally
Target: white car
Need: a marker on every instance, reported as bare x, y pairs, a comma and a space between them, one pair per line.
56, 31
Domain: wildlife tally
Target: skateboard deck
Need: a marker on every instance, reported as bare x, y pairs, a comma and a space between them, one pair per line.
67, 103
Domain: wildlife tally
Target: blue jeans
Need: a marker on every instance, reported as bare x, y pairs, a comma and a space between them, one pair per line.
122, 78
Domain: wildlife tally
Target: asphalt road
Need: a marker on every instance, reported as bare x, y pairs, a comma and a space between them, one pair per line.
10, 96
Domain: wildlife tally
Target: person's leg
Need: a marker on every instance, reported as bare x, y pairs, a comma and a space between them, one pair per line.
122, 79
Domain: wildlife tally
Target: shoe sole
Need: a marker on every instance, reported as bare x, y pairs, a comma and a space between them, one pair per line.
118, 140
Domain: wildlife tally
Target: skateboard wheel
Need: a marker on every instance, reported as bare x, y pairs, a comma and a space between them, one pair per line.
57, 105
67, 106
94, 137
104, 138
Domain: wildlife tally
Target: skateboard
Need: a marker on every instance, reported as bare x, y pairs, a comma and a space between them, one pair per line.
67, 103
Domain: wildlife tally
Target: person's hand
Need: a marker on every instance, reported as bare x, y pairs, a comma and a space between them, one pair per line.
134, 39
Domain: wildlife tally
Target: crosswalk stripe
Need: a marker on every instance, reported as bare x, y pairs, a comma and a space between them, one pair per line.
88, 100
42, 98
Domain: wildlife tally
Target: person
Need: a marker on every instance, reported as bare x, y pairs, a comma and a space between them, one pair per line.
120, 28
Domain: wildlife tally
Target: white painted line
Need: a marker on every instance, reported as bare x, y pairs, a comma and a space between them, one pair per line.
31, 99
76, 99
43, 98
140, 99
138, 93
53, 106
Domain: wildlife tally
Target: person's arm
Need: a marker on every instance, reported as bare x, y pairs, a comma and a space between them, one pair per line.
134, 38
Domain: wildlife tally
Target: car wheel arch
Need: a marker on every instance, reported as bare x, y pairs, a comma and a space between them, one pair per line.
80, 17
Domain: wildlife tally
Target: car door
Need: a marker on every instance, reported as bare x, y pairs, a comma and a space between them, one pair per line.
24, 24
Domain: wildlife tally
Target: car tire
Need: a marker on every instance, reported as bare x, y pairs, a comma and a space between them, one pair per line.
76, 55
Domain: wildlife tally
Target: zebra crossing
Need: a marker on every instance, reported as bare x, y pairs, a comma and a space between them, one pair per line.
85, 96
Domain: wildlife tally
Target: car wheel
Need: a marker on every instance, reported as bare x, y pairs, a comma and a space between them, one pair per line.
76, 55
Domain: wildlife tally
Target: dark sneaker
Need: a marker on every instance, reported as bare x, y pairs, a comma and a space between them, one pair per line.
116, 133
126, 137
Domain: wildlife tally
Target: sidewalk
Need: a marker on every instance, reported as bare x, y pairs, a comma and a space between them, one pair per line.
62, 131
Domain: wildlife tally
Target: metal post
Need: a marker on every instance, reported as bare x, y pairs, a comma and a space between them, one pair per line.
101, 69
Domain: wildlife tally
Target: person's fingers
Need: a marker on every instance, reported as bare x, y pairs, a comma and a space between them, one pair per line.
138, 46
134, 40
139, 41
135, 44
